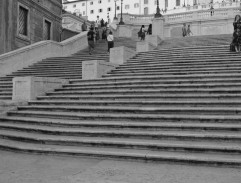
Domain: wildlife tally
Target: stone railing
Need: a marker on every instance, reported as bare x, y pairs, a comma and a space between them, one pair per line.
23, 57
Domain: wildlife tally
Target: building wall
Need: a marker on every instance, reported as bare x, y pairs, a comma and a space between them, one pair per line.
38, 11
84, 7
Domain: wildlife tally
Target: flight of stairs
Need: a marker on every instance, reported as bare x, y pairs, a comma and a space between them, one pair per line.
179, 105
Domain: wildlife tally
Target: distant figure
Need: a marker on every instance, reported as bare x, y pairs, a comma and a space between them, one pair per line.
236, 42
91, 38
149, 30
184, 30
97, 37
110, 40
142, 33
189, 32
84, 27
211, 9
104, 33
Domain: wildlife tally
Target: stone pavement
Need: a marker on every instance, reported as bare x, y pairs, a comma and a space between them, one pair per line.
26, 168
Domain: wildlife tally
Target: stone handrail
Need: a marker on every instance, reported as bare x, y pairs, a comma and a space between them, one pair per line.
23, 57
184, 16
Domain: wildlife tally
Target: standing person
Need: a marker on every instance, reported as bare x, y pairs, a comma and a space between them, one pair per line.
104, 34
149, 30
84, 27
91, 38
97, 34
189, 31
142, 32
110, 40
184, 30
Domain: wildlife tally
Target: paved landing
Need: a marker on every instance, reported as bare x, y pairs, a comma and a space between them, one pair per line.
26, 168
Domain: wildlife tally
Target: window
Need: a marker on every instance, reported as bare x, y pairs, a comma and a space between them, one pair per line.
100, 1
65, 7
47, 30
83, 12
23, 21
136, 5
91, 3
145, 1
118, 7
178, 3
83, 4
74, 6
166, 3
146, 11
100, 11
108, 1
109, 9
127, 6
91, 11
155, 2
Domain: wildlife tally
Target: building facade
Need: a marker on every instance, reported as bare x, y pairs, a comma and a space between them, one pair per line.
106, 8
23, 22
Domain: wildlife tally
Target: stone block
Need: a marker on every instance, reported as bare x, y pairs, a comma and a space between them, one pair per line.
28, 88
144, 46
153, 39
125, 31
96, 68
120, 55
158, 27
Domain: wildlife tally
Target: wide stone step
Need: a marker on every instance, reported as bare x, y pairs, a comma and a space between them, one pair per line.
136, 110
153, 103
173, 72
160, 125
167, 145
161, 97
195, 158
214, 136
167, 65
221, 90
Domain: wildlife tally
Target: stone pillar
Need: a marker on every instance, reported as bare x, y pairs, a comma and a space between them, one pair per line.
153, 40
158, 27
28, 88
120, 55
96, 68
144, 46
124, 31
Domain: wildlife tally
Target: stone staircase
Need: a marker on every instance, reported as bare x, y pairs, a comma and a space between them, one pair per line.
60, 67
221, 39
180, 105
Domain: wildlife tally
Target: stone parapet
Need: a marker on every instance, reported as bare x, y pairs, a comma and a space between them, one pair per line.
120, 55
153, 39
144, 46
28, 88
23, 57
96, 68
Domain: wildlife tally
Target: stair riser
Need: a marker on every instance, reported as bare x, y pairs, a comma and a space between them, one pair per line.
130, 118
121, 145
130, 157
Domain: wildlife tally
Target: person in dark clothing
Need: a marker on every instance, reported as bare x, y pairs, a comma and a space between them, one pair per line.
142, 33
184, 30
84, 27
149, 30
104, 34
235, 44
91, 40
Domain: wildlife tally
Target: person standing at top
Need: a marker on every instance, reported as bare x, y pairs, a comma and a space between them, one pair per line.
91, 40
189, 31
184, 30
110, 40
149, 30
84, 27
142, 32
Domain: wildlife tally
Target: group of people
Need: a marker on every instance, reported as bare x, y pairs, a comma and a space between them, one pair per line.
186, 31
142, 32
236, 42
99, 30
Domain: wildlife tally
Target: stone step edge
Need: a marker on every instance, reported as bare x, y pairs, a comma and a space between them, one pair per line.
99, 153
122, 143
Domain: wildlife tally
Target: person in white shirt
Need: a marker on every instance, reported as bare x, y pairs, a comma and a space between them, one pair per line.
110, 40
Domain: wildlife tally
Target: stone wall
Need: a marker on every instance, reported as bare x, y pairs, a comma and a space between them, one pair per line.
39, 10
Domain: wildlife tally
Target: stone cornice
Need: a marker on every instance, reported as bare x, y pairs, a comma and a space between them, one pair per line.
31, 3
